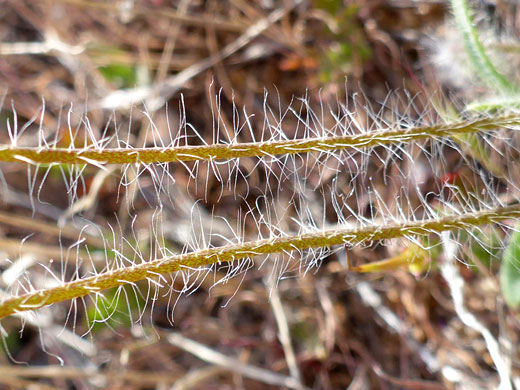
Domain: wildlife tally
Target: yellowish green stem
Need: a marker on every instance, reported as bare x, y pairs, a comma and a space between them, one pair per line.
129, 275
9, 153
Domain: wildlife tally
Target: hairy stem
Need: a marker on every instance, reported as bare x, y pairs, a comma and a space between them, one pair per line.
481, 62
153, 269
40, 155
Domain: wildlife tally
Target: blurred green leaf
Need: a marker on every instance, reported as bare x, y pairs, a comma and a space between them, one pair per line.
116, 309
486, 247
308, 337
122, 76
348, 47
331, 6
12, 343
510, 271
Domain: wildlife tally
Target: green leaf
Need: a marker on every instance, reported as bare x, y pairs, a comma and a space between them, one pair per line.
331, 6
495, 103
482, 64
486, 246
116, 309
12, 343
510, 271
123, 76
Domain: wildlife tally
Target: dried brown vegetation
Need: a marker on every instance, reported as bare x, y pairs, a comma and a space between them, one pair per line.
402, 176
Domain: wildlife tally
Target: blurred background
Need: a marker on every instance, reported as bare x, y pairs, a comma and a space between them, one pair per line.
139, 68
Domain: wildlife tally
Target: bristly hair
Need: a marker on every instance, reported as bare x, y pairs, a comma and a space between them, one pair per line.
283, 196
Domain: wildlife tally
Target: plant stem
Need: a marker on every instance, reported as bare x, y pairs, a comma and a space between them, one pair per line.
39, 155
482, 64
130, 275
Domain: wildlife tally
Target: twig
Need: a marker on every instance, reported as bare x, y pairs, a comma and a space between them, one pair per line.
164, 90
213, 357
454, 280
284, 334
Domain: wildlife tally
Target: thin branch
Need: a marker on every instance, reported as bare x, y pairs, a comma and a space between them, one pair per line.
455, 281
211, 356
